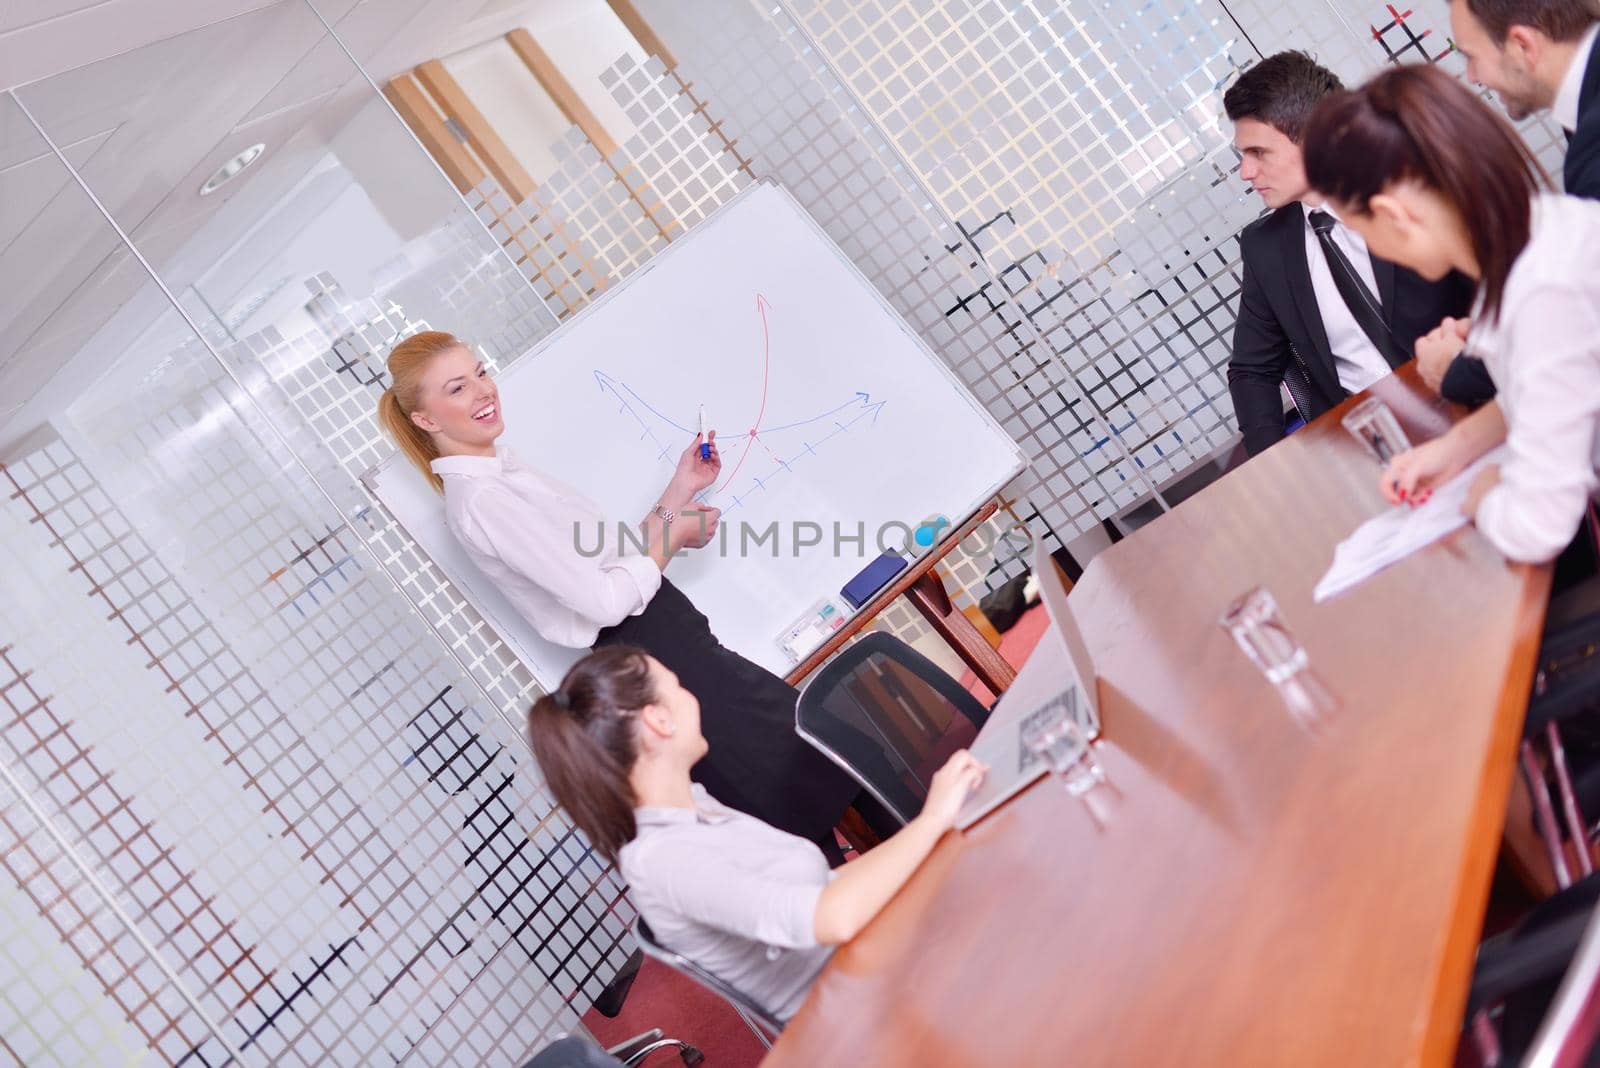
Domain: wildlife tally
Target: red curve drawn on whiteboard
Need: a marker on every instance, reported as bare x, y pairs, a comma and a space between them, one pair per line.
762, 304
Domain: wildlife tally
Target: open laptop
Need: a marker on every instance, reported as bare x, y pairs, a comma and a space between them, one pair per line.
1057, 680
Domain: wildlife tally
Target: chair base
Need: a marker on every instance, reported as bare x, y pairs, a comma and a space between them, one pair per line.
636, 1049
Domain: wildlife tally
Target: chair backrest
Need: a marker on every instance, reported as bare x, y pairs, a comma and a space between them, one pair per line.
574, 1051
888, 716
1572, 1023
755, 1015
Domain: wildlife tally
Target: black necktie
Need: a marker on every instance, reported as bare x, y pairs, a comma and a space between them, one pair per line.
1357, 297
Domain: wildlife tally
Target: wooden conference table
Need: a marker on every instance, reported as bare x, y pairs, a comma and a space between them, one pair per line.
1258, 895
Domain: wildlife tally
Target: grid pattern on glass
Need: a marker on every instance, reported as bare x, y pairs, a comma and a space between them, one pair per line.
160, 888
1072, 115
596, 219
565, 271
466, 289
52, 1008
580, 231
58, 918
1079, 134
679, 151
485, 886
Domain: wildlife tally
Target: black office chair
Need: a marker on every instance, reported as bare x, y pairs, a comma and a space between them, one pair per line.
1540, 981
575, 1051
763, 1023
889, 717
611, 997
1565, 707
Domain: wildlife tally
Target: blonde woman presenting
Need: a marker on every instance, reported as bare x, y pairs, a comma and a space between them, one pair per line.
518, 525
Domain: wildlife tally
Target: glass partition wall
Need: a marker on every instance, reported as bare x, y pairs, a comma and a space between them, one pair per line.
264, 789
266, 793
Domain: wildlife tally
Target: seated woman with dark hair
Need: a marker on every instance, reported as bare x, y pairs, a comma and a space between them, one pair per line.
1434, 179
750, 903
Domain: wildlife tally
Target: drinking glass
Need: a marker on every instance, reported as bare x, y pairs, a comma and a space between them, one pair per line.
1374, 425
1064, 747
1255, 623
1258, 628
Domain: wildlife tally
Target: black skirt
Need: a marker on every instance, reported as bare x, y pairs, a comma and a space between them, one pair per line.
757, 763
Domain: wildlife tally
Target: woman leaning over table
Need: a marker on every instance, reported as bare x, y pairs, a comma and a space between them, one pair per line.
1434, 179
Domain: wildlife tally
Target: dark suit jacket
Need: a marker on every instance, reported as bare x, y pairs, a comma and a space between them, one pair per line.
1467, 381
1581, 173
1279, 336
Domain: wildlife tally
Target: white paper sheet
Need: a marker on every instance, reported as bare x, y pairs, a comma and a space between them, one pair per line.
1396, 534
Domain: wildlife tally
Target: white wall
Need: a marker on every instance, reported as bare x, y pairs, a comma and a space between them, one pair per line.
582, 38
513, 103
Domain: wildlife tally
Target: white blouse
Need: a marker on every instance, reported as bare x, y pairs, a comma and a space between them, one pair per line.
1544, 356
524, 530
733, 894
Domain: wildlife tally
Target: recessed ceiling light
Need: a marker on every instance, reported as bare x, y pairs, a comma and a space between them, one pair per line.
231, 169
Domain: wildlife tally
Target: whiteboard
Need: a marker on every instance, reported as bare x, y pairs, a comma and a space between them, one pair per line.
758, 316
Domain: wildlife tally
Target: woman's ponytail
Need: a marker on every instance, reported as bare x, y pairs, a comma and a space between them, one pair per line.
584, 738
407, 361
414, 441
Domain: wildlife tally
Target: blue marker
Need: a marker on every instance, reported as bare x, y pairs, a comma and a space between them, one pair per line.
705, 444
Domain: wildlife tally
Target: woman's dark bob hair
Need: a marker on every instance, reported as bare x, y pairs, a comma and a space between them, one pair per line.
1418, 123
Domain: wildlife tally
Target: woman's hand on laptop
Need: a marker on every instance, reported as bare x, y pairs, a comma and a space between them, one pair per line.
863, 886
950, 788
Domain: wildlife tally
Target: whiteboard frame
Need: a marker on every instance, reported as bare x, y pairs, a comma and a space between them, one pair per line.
878, 602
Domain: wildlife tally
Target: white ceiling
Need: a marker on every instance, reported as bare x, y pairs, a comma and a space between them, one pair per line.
147, 98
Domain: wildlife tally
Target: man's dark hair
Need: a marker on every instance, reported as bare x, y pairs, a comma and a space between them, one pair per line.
1559, 20
1281, 91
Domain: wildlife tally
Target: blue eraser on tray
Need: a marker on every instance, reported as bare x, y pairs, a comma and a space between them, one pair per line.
874, 577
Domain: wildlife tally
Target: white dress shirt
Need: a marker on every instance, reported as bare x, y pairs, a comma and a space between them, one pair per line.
1565, 108
735, 895
1544, 356
524, 530
1355, 357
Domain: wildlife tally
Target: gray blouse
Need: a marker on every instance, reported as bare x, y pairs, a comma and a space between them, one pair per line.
733, 894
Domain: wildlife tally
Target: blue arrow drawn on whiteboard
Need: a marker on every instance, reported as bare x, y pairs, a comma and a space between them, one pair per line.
653, 423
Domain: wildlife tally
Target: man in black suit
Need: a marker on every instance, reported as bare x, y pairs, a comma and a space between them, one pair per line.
1317, 312
1536, 54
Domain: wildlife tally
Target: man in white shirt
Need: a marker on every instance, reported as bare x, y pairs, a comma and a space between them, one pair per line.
1536, 54
1317, 312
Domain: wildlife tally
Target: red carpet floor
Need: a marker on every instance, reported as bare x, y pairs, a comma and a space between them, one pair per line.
683, 1009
